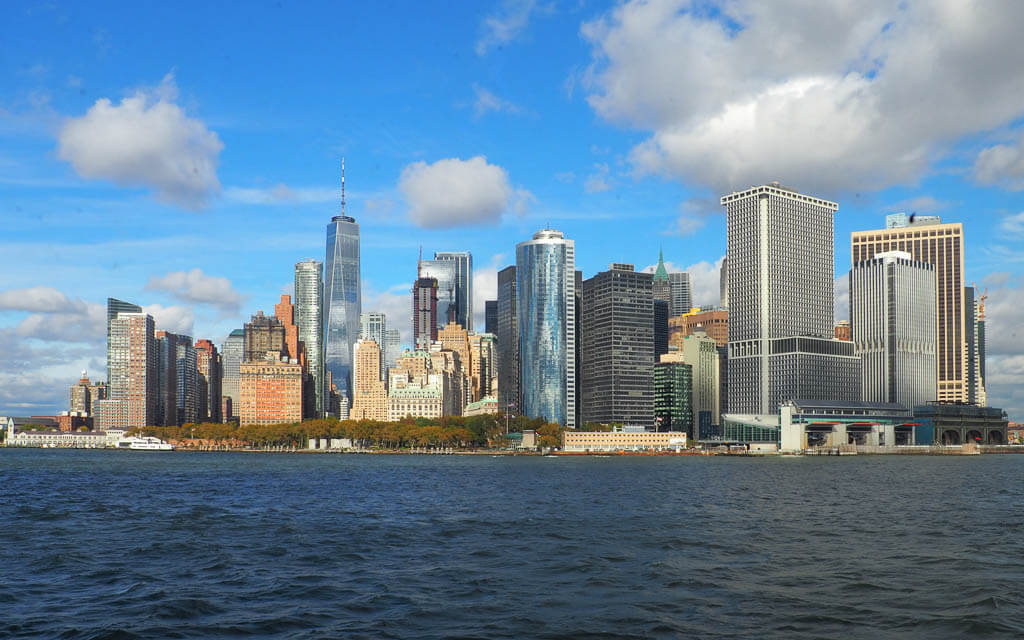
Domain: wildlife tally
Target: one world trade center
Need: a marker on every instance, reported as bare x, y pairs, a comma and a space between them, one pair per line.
342, 298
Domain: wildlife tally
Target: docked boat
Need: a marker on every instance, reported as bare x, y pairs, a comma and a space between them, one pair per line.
144, 443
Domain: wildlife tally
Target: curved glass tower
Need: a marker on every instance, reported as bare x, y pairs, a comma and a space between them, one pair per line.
342, 301
545, 301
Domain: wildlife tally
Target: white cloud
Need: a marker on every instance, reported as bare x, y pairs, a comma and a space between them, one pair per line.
685, 225
395, 303
599, 180
453, 192
841, 293
38, 299
487, 101
176, 319
1013, 224
704, 279
504, 25
1001, 164
148, 141
197, 287
834, 105
282, 194
485, 287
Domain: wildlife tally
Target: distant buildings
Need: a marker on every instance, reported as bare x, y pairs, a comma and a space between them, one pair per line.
270, 390
714, 322
546, 315
941, 245
444, 273
232, 356
208, 365
673, 288
975, 339
700, 352
892, 304
114, 307
843, 330
616, 377
780, 284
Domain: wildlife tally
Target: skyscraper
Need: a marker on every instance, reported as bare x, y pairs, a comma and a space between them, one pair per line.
617, 374
723, 284
491, 316
892, 303
660, 328
463, 289
263, 334
114, 307
232, 356
682, 293
133, 360
443, 271
208, 362
188, 392
374, 326
546, 315
369, 391
392, 347
342, 296
424, 312
508, 341
941, 245
780, 282
975, 338
309, 305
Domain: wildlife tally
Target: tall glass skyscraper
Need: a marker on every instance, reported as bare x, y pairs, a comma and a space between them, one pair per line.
463, 280
444, 271
342, 297
309, 318
114, 307
546, 313
232, 352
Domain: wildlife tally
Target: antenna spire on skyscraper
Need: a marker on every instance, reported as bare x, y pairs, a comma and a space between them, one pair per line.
343, 185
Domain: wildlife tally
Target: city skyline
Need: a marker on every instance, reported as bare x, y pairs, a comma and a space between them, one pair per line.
271, 183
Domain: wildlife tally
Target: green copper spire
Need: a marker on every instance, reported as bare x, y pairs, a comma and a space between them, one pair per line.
661, 273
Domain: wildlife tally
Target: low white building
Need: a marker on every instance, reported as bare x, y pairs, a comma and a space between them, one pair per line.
623, 440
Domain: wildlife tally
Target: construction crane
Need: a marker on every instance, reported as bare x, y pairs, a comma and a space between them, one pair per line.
982, 297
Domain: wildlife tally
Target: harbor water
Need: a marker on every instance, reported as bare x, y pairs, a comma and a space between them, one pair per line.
125, 544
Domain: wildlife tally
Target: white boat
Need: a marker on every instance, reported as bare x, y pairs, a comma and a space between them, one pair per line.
147, 443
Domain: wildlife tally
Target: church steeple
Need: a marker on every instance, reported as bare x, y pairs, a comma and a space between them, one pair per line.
661, 273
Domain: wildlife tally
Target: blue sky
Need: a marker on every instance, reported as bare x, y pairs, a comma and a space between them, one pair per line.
184, 157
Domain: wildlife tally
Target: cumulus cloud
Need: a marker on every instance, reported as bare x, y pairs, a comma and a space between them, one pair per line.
453, 192
485, 287
1001, 164
38, 299
855, 96
145, 141
176, 319
505, 24
395, 303
197, 287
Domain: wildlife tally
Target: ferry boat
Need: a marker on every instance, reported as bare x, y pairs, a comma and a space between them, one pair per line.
147, 443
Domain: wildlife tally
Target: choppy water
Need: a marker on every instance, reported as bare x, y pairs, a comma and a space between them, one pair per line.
119, 544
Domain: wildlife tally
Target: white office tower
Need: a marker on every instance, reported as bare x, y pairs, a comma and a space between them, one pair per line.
892, 306
309, 318
780, 283
374, 326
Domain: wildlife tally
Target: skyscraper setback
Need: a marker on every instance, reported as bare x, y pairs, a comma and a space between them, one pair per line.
342, 297
780, 283
546, 314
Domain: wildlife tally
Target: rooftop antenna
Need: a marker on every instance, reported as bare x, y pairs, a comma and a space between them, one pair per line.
419, 264
342, 185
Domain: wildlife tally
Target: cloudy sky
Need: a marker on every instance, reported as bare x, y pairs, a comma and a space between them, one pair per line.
184, 157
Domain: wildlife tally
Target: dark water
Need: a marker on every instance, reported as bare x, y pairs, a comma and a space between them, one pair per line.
118, 544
